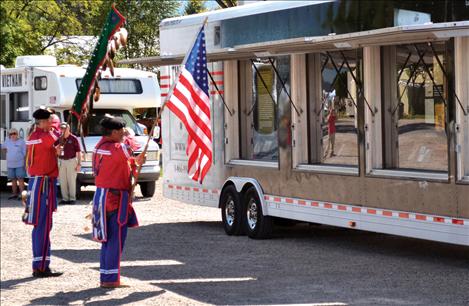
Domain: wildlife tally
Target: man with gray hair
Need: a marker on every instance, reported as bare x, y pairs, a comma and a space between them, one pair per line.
69, 153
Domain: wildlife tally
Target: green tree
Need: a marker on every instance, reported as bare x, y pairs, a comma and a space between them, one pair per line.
194, 7
143, 19
33, 26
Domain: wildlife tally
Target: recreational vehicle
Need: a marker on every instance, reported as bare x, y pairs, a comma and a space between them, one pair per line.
38, 81
395, 157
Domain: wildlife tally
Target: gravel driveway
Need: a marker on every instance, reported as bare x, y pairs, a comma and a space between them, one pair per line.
180, 256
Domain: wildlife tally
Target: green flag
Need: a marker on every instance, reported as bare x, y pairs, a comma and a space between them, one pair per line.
113, 23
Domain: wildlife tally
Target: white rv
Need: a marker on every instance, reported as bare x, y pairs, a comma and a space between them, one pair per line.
394, 160
38, 81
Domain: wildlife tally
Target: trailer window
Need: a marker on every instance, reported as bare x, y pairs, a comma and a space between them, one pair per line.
40, 83
262, 95
415, 114
118, 86
333, 107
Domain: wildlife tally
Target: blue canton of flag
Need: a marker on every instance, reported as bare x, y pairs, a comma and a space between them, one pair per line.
197, 62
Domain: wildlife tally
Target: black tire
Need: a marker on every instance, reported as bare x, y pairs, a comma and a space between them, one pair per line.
258, 226
148, 189
78, 189
232, 211
3, 183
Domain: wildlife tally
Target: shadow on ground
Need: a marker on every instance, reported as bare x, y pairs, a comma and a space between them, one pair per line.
301, 264
84, 297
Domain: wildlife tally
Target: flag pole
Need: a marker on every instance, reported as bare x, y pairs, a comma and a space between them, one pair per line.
155, 122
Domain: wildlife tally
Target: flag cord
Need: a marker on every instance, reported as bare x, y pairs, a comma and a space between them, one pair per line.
218, 90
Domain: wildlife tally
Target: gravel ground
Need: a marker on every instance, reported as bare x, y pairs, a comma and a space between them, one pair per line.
181, 256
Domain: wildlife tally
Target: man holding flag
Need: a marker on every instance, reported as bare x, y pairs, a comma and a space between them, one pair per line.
190, 102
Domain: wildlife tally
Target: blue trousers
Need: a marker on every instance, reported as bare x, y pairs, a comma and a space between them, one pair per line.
41, 231
111, 251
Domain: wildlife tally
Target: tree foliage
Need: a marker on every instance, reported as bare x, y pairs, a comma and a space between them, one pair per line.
227, 3
143, 18
31, 27
194, 7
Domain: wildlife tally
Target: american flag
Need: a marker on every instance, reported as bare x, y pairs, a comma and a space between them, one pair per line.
191, 104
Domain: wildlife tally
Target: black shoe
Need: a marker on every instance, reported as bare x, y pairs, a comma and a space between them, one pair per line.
71, 202
12, 197
46, 273
63, 202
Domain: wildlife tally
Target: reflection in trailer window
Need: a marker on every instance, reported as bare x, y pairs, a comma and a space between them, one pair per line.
416, 136
118, 86
260, 107
334, 139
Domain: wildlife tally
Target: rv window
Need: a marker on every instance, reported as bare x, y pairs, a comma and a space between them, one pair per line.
20, 108
40, 83
118, 86
333, 130
415, 126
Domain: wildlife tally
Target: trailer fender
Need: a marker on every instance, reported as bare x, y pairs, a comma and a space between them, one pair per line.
242, 183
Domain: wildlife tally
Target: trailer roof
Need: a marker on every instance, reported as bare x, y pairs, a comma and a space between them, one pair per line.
392, 35
237, 11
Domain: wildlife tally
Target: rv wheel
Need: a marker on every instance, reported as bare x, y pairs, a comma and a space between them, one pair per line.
258, 225
147, 189
3, 183
231, 211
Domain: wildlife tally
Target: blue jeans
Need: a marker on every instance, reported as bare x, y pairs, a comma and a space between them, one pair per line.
16, 173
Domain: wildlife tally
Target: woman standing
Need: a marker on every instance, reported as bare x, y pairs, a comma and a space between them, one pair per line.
16, 152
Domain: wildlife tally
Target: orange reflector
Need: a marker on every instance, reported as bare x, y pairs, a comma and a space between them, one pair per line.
352, 224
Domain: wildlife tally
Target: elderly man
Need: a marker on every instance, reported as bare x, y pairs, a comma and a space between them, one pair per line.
42, 190
69, 164
113, 166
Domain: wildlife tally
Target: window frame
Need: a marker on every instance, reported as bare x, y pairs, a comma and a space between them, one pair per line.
376, 126
307, 93
42, 77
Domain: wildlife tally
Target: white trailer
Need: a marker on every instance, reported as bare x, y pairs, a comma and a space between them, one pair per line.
401, 159
38, 81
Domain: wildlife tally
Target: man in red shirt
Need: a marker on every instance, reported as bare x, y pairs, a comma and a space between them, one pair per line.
42, 190
69, 164
113, 213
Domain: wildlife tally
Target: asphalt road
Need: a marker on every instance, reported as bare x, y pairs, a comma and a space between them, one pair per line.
181, 256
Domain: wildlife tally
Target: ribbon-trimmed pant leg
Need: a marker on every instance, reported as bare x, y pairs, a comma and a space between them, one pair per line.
111, 251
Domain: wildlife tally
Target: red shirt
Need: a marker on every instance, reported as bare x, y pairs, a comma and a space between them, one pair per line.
71, 147
42, 158
112, 165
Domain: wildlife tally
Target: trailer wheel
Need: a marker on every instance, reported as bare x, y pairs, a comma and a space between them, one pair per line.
258, 225
232, 211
